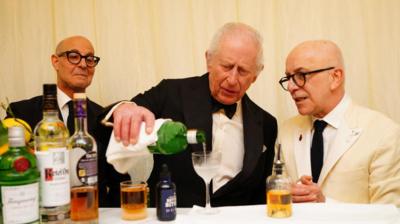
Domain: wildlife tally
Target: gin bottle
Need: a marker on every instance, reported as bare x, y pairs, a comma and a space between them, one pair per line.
19, 181
51, 137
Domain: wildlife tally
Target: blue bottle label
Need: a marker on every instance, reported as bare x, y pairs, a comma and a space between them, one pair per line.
168, 204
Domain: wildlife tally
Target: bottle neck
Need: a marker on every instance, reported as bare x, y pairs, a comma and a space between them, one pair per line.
194, 136
16, 149
50, 106
80, 124
50, 114
80, 115
50, 102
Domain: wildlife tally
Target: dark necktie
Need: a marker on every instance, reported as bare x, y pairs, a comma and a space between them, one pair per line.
229, 109
317, 149
70, 120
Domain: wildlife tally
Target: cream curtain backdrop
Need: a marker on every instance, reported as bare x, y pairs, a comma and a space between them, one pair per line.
141, 42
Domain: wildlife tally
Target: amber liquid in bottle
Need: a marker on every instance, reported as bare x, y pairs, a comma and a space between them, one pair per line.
84, 203
279, 203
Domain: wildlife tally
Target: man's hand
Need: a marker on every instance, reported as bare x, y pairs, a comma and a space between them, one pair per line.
306, 191
127, 120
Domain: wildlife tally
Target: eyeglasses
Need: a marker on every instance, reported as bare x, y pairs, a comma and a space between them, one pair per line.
75, 58
299, 78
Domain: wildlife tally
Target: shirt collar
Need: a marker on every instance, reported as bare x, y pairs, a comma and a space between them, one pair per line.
62, 98
335, 117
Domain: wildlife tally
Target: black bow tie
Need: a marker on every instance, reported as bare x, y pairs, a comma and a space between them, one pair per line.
229, 109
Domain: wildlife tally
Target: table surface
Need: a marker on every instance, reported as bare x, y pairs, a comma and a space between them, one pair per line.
306, 213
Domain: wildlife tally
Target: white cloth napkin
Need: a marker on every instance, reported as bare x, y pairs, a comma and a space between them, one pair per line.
134, 159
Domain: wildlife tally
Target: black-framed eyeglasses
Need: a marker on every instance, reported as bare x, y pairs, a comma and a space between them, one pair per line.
299, 78
75, 58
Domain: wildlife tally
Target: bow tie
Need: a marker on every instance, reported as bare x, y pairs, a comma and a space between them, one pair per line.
229, 109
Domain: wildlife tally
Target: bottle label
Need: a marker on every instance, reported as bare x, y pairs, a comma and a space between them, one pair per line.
20, 203
191, 136
53, 165
168, 203
83, 167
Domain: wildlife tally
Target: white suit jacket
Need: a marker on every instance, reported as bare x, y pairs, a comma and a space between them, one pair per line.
363, 165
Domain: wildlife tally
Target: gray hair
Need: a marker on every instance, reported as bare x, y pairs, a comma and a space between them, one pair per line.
238, 28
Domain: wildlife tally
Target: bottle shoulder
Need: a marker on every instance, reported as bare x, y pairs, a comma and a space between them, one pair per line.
165, 184
53, 127
84, 142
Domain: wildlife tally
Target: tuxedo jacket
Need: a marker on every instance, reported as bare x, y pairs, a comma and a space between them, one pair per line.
189, 101
363, 165
31, 111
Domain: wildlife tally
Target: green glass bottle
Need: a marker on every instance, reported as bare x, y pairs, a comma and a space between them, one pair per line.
174, 137
19, 181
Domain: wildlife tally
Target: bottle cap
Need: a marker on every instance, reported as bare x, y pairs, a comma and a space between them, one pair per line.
16, 136
79, 95
49, 89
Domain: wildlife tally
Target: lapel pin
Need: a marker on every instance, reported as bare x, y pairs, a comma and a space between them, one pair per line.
300, 137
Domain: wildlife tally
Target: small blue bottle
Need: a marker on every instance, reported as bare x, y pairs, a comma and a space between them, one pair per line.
165, 196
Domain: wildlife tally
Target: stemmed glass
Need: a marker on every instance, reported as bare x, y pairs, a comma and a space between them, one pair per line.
206, 165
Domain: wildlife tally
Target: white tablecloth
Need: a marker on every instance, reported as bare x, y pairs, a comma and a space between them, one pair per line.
305, 213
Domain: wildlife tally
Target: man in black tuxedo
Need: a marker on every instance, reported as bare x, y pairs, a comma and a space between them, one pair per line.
74, 62
245, 137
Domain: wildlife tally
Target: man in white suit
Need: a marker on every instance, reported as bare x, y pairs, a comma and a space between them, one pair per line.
358, 159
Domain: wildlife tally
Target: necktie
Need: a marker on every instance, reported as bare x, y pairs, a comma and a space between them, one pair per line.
317, 149
230, 110
70, 120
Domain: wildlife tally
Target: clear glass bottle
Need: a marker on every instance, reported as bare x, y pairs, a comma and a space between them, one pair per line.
165, 196
278, 193
173, 137
83, 167
51, 137
19, 181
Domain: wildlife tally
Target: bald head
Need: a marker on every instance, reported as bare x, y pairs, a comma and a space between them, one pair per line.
318, 53
66, 44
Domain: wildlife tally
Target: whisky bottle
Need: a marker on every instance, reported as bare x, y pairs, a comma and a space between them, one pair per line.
19, 181
51, 137
165, 196
83, 167
279, 199
173, 137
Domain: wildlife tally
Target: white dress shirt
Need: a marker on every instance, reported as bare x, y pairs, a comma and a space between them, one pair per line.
228, 139
334, 119
62, 100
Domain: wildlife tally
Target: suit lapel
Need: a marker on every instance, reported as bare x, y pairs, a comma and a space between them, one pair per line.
197, 107
253, 139
347, 134
302, 145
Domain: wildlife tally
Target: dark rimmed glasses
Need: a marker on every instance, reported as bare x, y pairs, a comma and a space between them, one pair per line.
299, 78
75, 58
